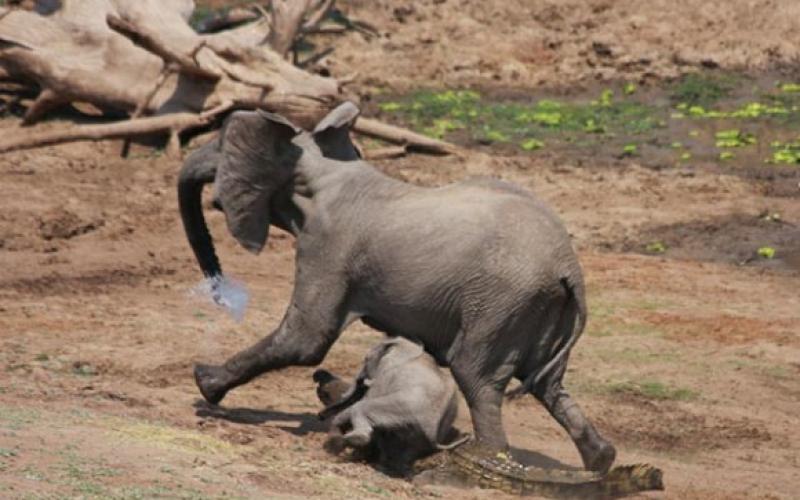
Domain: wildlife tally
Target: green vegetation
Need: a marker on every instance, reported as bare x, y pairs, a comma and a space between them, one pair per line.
716, 108
629, 150
787, 153
700, 89
531, 144
653, 389
438, 114
766, 252
16, 418
790, 87
734, 139
749, 110
655, 247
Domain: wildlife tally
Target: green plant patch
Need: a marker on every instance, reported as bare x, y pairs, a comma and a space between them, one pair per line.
790, 87
766, 252
733, 139
438, 114
617, 122
655, 247
702, 88
629, 150
786, 153
653, 389
749, 110
531, 144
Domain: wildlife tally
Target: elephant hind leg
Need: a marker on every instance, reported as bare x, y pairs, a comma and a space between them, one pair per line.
597, 453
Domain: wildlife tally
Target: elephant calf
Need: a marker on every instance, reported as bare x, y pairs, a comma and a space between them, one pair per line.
401, 406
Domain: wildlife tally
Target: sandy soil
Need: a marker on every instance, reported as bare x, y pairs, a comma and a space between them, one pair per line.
690, 361
558, 42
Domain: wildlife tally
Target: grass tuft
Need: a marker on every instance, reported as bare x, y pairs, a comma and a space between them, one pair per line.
653, 389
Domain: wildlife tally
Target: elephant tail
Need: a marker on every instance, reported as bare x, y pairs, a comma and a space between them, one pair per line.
571, 324
198, 170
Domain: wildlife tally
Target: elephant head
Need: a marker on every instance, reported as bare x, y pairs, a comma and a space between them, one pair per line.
387, 355
252, 163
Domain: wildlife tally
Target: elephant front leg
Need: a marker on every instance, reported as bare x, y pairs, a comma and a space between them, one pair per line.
309, 328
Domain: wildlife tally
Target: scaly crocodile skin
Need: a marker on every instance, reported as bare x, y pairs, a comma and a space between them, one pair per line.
470, 465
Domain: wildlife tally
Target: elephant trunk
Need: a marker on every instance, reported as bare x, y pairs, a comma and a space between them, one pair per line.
198, 170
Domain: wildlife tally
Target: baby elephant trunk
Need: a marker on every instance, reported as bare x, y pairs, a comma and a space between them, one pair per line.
334, 393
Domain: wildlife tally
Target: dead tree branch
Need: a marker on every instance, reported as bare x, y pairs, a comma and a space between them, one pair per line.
152, 43
399, 135
173, 123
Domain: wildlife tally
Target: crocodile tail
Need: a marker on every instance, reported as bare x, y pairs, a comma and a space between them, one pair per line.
573, 317
629, 479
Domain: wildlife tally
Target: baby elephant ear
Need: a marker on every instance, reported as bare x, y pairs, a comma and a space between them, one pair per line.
254, 146
332, 133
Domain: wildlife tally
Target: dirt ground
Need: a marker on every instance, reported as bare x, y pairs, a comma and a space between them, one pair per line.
690, 361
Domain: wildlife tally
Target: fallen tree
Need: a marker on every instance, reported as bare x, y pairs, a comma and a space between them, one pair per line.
143, 60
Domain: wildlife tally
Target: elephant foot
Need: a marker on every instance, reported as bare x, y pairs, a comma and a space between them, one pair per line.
211, 380
598, 454
356, 439
335, 444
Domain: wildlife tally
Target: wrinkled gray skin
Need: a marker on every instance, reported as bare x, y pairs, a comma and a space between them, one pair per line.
481, 273
406, 409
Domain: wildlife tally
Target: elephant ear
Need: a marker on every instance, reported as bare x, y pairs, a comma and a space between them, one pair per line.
255, 147
332, 133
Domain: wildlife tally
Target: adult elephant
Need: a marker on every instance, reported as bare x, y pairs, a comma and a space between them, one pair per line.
480, 272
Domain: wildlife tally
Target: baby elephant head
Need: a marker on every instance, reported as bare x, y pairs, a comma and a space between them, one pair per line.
379, 360
390, 353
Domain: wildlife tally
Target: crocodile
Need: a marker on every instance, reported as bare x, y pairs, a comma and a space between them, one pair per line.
471, 465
